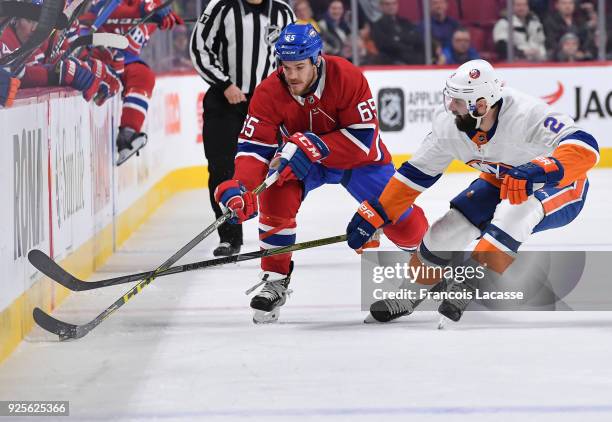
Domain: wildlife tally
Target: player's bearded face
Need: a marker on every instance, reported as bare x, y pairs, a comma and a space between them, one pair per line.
300, 75
463, 119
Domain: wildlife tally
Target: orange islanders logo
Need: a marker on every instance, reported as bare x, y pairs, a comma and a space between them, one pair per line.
498, 169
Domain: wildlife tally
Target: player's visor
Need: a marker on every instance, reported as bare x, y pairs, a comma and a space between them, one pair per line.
453, 105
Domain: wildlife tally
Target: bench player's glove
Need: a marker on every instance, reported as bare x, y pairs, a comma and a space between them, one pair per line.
518, 183
232, 195
369, 217
167, 19
9, 85
109, 83
76, 74
296, 157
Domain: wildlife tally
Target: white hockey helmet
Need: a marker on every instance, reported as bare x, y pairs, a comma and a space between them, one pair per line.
472, 81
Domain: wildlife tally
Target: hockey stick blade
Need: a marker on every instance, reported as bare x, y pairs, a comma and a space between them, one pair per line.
43, 263
104, 39
107, 39
64, 330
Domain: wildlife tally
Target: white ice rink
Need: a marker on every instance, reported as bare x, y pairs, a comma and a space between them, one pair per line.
186, 349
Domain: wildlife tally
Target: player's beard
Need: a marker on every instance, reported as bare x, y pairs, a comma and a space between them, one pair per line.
465, 123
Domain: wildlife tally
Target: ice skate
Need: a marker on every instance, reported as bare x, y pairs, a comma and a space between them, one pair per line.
226, 249
129, 142
453, 308
267, 303
389, 309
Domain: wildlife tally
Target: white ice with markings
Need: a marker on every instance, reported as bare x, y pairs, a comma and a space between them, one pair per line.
185, 348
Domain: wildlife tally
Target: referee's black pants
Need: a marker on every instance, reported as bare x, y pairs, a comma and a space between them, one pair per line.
222, 125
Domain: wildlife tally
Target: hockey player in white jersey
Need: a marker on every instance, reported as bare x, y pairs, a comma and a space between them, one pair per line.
533, 162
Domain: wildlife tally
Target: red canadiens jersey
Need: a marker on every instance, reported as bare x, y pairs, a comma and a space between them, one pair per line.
341, 111
123, 18
35, 73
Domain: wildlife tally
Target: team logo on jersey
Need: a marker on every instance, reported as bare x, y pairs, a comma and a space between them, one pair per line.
498, 169
271, 34
474, 73
391, 109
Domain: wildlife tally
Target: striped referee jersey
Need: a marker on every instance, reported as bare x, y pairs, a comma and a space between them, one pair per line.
233, 41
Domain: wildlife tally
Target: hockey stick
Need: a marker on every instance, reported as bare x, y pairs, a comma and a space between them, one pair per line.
98, 39
71, 282
66, 331
76, 9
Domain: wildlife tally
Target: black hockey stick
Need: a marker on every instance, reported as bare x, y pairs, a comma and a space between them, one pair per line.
67, 331
76, 9
58, 274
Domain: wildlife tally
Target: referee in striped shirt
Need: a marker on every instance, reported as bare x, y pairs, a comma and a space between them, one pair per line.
232, 48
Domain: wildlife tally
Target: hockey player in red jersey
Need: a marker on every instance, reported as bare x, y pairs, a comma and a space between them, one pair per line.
322, 109
86, 77
138, 79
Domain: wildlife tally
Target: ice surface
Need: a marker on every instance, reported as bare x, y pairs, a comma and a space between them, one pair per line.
186, 349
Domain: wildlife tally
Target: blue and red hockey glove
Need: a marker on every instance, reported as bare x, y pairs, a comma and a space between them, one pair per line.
295, 158
109, 82
518, 182
75, 74
8, 88
165, 17
370, 216
232, 195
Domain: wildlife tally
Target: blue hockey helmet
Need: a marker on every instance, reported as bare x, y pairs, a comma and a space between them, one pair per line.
298, 42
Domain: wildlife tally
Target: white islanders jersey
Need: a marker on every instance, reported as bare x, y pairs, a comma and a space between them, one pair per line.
526, 128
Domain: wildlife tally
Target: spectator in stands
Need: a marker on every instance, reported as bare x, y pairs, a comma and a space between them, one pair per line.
442, 25
527, 35
303, 13
180, 51
437, 53
562, 21
397, 39
320, 7
369, 12
335, 31
569, 49
539, 7
460, 50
